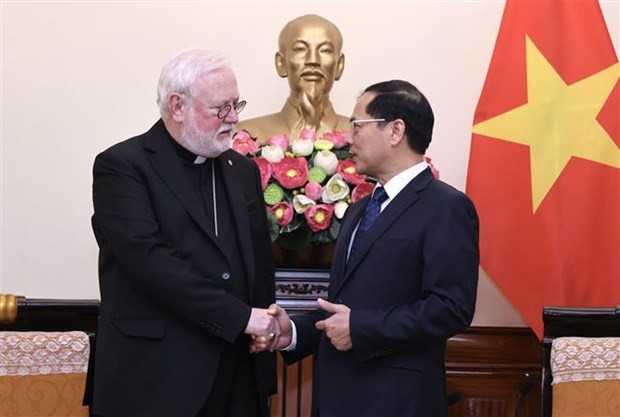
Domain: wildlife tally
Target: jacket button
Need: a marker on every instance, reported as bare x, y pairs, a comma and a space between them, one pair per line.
225, 276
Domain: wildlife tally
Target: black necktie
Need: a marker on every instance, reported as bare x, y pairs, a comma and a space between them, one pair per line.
372, 211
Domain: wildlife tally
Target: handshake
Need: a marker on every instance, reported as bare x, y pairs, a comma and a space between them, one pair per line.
271, 329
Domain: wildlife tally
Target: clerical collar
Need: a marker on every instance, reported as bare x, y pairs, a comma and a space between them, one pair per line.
185, 154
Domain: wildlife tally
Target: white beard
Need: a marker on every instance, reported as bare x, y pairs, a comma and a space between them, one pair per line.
203, 143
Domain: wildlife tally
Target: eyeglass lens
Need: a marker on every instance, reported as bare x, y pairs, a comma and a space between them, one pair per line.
225, 109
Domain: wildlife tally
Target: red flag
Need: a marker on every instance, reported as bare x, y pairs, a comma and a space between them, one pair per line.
544, 167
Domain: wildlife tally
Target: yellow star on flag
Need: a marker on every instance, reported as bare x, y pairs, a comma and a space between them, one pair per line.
558, 121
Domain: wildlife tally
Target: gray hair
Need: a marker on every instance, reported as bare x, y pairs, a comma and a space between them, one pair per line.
182, 71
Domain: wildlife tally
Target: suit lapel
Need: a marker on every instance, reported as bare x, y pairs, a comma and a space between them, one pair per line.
168, 165
405, 199
233, 182
339, 268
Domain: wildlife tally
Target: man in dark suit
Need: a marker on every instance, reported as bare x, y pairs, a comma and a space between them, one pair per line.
185, 269
401, 285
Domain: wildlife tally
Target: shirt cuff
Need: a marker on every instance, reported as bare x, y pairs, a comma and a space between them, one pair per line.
293, 344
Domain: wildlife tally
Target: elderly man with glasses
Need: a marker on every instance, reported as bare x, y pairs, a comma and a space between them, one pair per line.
185, 268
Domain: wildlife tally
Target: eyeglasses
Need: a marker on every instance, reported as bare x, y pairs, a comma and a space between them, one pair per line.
355, 123
223, 111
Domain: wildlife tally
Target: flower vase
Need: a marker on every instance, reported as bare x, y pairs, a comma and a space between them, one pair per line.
316, 256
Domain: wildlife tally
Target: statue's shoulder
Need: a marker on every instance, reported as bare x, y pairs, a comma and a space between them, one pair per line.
344, 124
263, 127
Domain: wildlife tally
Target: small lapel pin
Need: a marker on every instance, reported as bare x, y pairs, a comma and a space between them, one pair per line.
229, 162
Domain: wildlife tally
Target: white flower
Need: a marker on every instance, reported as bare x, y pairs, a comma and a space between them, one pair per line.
326, 160
302, 202
340, 208
272, 153
303, 147
336, 189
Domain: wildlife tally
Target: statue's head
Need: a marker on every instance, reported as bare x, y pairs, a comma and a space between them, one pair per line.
310, 55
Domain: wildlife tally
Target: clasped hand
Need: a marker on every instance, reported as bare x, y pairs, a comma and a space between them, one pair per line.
276, 332
280, 333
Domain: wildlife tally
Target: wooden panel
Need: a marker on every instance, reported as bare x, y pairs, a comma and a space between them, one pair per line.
294, 397
491, 372
492, 394
494, 372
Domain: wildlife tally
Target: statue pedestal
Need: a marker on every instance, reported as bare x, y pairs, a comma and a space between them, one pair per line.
314, 257
302, 276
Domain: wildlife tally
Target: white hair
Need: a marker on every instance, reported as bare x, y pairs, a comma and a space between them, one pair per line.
182, 71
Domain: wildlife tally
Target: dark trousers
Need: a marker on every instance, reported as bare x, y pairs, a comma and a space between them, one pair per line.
234, 392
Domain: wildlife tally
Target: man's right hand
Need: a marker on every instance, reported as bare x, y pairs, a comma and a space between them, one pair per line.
281, 337
261, 323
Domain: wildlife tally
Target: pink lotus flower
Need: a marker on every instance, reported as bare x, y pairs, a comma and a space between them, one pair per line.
346, 168
244, 143
265, 171
283, 212
291, 172
314, 190
361, 190
319, 217
280, 141
339, 139
434, 170
307, 134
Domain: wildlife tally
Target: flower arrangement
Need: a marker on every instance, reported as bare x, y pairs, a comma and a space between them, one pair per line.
308, 184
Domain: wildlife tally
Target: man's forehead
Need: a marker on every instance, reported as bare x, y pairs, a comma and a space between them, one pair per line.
220, 76
361, 103
366, 97
217, 84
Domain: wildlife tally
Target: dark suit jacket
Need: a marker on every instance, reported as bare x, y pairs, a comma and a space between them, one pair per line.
166, 308
411, 285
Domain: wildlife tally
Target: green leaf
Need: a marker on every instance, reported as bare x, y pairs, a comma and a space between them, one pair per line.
295, 224
342, 153
274, 228
299, 238
329, 235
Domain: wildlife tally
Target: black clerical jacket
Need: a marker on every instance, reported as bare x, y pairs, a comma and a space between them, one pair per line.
167, 308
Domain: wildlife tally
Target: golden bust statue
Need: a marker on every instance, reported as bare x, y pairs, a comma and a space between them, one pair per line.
310, 56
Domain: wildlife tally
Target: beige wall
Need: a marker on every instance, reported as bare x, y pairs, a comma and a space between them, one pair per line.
80, 76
